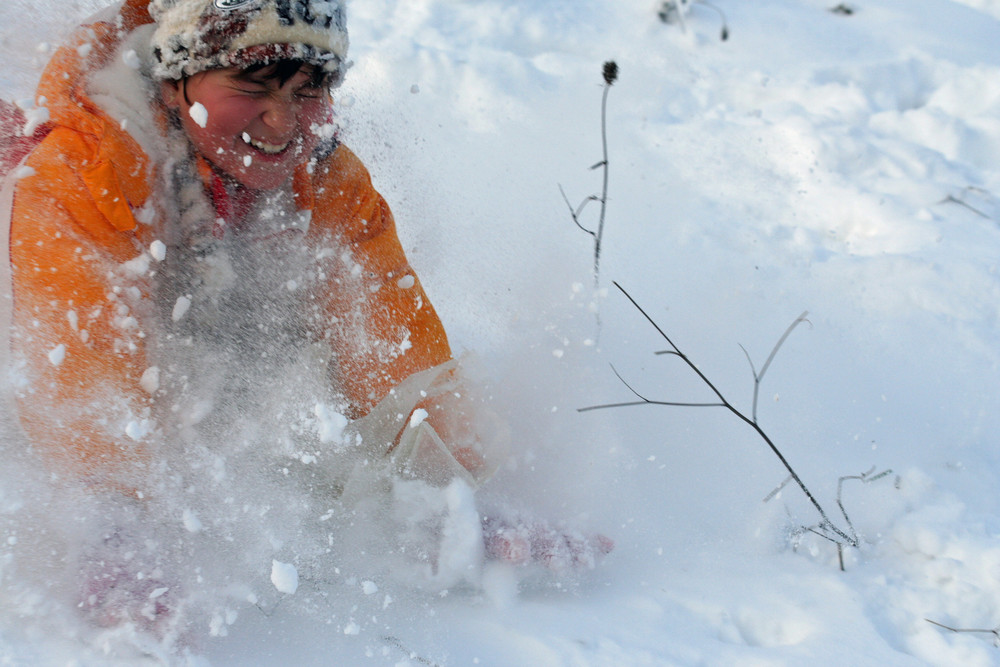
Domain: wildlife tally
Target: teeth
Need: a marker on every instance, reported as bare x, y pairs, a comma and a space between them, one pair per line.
263, 146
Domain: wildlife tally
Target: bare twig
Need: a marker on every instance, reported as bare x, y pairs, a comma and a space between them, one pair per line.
397, 643
951, 199
865, 478
825, 528
575, 213
759, 377
675, 10
778, 489
994, 631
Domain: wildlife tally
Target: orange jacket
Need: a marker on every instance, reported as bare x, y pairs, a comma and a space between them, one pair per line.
73, 225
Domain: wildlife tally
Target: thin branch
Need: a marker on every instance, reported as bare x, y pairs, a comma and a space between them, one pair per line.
994, 631
724, 32
778, 489
753, 369
825, 524
820, 527
759, 377
643, 401
677, 8
781, 341
865, 478
397, 643
756, 383
575, 214
955, 200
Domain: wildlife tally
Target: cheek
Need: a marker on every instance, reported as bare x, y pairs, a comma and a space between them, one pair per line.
223, 121
314, 114
231, 119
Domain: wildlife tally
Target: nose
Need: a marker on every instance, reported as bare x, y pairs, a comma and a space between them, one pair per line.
280, 115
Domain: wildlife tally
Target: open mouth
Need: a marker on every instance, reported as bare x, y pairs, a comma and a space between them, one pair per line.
265, 147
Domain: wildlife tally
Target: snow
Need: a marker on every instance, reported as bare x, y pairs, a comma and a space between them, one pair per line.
181, 306
57, 354
199, 114
150, 380
191, 521
158, 250
139, 429
22, 172
285, 577
132, 59
330, 424
418, 416
840, 164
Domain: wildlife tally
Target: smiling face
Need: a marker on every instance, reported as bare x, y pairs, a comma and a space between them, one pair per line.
256, 126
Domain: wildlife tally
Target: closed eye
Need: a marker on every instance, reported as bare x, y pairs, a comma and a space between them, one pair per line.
309, 93
255, 92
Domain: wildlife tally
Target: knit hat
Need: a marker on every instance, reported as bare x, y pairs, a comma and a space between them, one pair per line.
195, 35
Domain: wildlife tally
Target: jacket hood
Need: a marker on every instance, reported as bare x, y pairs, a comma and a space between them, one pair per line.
95, 86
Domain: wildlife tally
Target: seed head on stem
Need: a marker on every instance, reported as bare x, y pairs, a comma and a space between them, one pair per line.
610, 72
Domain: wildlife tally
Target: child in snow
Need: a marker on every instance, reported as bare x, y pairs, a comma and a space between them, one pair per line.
188, 232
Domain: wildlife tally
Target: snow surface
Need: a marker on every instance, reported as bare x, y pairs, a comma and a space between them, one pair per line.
841, 164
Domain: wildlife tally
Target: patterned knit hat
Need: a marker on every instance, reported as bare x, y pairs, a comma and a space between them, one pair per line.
195, 35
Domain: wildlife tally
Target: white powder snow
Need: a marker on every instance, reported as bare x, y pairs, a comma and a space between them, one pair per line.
285, 577
199, 114
131, 59
150, 380
138, 266
418, 417
330, 424
192, 523
57, 355
137, 429
35, 117
158, 250
180, 308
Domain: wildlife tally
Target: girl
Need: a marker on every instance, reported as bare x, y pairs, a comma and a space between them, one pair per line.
193, 251
201, 142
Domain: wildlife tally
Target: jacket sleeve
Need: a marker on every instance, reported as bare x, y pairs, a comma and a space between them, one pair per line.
382, 325
388, 340
76, 341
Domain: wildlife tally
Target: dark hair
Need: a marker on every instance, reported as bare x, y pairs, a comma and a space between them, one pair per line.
283, 70
280, 71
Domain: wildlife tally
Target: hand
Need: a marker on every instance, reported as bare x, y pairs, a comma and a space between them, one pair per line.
120, 584
535, 541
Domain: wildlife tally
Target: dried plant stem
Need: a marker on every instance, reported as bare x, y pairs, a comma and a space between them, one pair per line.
993, 631
826, 528
599, 236
610, 73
